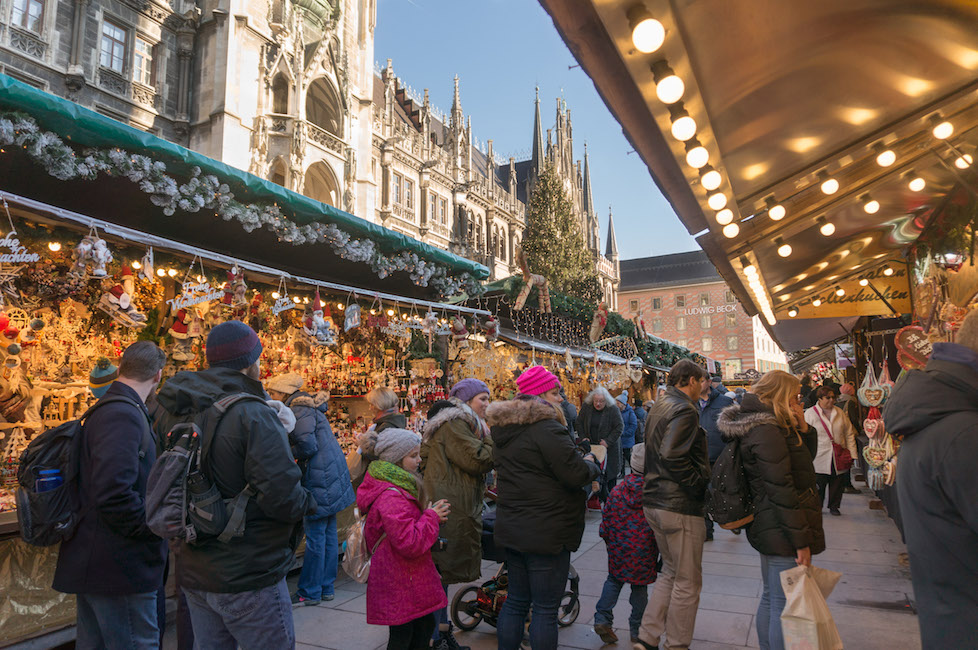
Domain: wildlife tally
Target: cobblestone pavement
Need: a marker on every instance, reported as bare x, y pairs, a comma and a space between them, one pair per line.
872, 604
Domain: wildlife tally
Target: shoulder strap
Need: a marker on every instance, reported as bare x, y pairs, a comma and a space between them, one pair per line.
211, 419
110, 400
828, 427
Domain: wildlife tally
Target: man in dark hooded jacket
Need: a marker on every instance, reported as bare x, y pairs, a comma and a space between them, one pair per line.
712, 403
236, 591
936, 411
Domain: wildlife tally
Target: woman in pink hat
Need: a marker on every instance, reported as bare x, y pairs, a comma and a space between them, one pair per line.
540, 513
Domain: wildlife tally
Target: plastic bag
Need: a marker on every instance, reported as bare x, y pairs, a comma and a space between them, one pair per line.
806, 621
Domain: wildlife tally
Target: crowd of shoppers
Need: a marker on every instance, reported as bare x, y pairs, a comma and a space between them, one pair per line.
421, 497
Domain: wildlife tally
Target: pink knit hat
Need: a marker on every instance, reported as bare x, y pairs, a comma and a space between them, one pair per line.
536, 380
847, 389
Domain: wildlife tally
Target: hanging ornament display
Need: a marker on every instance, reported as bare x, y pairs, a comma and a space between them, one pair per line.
460, 332
913, 347
235, 290
429, 325
117, 302
316, 324
282, 302
870, 393
183, 339
91, 256
531, 280
147, 268
492, 328
598, 323
194, 290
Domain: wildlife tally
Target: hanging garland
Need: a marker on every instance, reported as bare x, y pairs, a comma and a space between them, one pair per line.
207, 192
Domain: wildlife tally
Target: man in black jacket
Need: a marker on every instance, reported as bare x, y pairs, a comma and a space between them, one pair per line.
711, 403
936, 411
677, 472
236, 591
114, 563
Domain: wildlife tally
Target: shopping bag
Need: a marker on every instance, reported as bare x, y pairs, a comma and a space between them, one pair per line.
806, 621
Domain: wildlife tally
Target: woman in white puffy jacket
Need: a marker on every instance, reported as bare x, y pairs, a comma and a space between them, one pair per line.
831, 424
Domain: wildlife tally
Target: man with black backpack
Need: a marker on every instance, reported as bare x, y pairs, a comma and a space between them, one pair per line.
236, 589
113, 562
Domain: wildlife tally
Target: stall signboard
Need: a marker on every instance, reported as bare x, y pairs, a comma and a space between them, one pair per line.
858, 300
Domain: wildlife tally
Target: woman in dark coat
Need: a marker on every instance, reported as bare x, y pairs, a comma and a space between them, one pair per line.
386, 416
787, 526
324, 473
540, 512
600, 423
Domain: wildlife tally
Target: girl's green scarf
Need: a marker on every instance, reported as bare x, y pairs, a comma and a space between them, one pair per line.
384, 471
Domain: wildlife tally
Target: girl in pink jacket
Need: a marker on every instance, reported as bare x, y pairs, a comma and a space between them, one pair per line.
403, 587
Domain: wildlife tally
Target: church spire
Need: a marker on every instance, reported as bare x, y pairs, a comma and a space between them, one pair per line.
456, 116
588, 201
612, 250
537, 161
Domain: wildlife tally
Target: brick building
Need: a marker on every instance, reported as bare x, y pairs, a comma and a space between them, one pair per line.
684, 300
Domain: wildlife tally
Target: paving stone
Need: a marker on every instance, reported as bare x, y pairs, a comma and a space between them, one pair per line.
750, 587
732, 570
723, 627
728, 603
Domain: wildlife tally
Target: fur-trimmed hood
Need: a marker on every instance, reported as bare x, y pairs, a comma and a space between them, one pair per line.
523, 412
737, 420
319, 401
459, 411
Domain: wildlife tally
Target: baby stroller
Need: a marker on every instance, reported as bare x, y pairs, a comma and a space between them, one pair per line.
598, 491
474, 604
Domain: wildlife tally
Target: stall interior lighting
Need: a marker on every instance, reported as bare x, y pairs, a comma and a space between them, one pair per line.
870, 205
171, 272
161, 272
863, 282
884, 157
827, 228
54, 246
760, 295
390, 312
731, 230
276, 295
717, 201
669, 88
784, 249
296, 300
305, 301
696, 154
710, 178
839, 291
887, 270
792, 312
829, 185
683, 126
339, 306
817, 302
724, 216
964, 161
942, 128
135, 263
775, 210
914, 182
648, 34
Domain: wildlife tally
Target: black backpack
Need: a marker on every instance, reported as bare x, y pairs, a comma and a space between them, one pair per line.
51, 516
730, 504
182, 501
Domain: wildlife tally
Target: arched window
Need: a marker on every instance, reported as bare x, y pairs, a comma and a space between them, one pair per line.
280, 94
279, 172
323, 107
321, 184
502, 244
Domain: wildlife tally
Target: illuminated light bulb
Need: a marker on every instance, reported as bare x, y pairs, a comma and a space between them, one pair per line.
827, 228
710, 178
648, 34
943, 130
870, 205
684, 128
750, 270
724, 216
792, 312
776, 212
784, 249
305, 301
771, 320
339, 306
136, 265
54, 247
817, 302
390, 312
963, 162
840, 292
717, 201
670, 89
887, 270
275, 295
403, 316
863, 282
296, 300
697, 156
171, 272
916, 184
829, 185
885, 158
161, 273
731, 230
200, 279
373, 312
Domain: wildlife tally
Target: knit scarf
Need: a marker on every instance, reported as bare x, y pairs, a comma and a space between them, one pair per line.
482, 429
385, 471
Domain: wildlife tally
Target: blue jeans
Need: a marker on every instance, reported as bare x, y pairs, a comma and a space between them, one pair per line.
319, 562
255, 620
772, 601
111, 622
537, 580
639, 598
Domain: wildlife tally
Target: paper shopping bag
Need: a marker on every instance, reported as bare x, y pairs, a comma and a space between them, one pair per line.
806, 621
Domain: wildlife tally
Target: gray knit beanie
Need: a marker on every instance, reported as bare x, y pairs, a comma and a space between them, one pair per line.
638, 458
394, 444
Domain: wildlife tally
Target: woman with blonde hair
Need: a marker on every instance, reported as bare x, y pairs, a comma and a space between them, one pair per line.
787, 525
386, 416
600, 422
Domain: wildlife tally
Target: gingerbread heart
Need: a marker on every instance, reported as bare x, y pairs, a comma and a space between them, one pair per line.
873, 396
913, 344
872, 427
907, 362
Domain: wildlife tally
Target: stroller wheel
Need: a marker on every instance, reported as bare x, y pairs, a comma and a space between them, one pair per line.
465, 609
570, 607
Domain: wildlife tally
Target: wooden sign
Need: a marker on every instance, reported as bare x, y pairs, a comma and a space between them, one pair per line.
857, 301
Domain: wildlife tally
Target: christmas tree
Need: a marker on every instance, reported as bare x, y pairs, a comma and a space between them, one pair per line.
554, 243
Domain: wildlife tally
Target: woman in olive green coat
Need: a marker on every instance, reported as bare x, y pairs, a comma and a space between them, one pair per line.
456, 455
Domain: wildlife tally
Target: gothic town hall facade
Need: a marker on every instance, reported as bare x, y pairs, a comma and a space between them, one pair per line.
287, 89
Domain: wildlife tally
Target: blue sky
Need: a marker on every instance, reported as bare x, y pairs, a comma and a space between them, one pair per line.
501, 50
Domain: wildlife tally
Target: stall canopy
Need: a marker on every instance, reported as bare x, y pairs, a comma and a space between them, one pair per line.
807, 145
114, 197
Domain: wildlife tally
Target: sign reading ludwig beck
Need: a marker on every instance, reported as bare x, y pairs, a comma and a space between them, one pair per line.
859, 301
